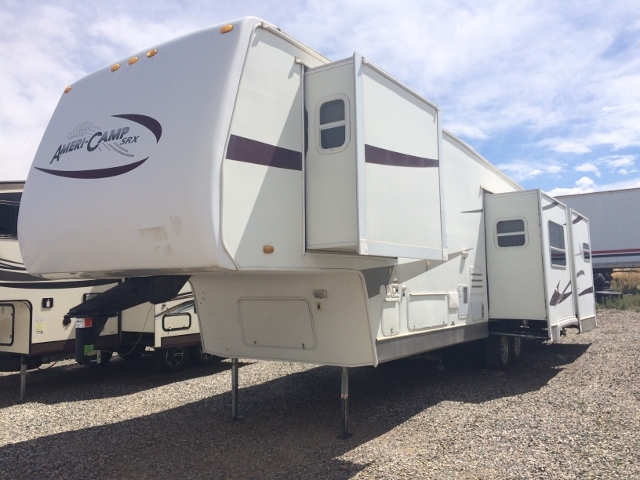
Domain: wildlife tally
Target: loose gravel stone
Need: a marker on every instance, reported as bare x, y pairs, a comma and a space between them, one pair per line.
566, 411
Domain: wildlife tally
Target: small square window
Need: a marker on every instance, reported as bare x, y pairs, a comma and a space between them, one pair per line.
586, 252
332, 124
511, 233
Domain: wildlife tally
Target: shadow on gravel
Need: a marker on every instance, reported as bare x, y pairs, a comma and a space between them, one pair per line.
74, 383
289, 425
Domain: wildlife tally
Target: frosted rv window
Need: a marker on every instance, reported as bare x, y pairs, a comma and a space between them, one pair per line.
586, 252
332, 122
511, 233
332, 137
9, 206
332, 111
556, 245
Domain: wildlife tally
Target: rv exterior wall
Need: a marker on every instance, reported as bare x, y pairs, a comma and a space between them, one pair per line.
275, 316
164, 121
583, 289
401, 169
331, 174
516, 275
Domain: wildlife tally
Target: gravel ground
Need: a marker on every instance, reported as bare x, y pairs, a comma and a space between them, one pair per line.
570, 410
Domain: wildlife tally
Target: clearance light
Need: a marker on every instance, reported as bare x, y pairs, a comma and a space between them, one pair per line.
133, 60
268, 249
151, 53
68, 89
226, 29
115, 67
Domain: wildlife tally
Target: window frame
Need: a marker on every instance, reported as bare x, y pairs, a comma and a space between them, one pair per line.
346, 123
557, 249
524, 232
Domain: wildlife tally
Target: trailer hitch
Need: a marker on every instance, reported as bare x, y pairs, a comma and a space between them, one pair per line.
91, 315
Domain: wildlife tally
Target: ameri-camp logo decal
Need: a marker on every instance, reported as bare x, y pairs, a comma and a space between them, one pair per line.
99, 152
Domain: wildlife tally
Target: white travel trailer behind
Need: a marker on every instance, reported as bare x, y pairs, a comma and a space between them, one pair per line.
33, 327
317, 209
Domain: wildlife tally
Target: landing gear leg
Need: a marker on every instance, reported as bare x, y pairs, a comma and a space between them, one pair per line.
344, 396
23, 376
234, 389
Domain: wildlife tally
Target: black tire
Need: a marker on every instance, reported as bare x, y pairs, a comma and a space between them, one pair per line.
517, 346
498, 352
130, 353
201, 358
172, 359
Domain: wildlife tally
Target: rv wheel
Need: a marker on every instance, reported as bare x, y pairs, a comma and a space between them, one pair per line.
171, 359
498, 352
516, 349
202, 358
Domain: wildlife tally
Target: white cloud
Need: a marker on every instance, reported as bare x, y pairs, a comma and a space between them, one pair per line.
525, 170
582, 185
617, 161
588, 167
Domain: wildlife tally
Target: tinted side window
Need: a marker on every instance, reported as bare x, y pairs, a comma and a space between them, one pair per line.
511, 233
9, 207
556, 245
333, 124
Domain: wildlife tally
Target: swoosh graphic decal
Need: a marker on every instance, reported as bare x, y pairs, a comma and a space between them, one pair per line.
586, 292
557, 298
14, 276
151, 123
94, 174
6, 264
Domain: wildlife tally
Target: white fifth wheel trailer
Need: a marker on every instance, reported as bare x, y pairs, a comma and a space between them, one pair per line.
33, 327
316, 208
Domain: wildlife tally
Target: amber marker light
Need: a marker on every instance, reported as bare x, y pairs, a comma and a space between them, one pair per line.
151, 53
115, 67
68, 89
226, 29
268, 249
133, 60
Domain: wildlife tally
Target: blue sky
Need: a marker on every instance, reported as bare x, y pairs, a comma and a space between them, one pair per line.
548, 91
